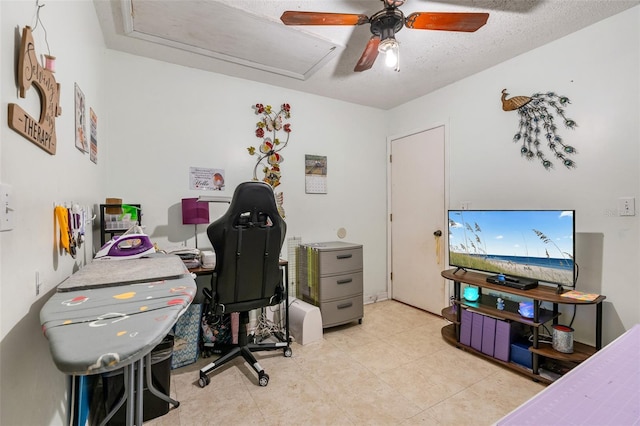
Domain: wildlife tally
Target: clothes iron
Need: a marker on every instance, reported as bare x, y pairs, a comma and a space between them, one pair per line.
134, 243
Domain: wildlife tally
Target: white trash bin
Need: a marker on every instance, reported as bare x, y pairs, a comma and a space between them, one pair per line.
305, 321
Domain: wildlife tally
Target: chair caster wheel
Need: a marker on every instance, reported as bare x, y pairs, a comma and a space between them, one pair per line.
204, 380
288, 352
263, 379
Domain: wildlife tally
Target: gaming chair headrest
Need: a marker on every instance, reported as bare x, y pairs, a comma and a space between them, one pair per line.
253, 196
253, 204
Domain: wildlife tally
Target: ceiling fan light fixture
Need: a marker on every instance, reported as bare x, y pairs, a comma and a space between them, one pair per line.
394, 3
391, 49
385, 24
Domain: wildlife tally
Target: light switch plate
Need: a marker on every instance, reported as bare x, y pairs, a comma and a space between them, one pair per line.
627, 206
6, 208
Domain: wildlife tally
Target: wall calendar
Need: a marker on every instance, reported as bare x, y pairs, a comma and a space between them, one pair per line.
315, 174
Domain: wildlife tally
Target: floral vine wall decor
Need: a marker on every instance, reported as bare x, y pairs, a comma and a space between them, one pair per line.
536, 119
267, 129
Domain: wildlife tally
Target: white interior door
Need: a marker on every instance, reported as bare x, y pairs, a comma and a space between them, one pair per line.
417, 212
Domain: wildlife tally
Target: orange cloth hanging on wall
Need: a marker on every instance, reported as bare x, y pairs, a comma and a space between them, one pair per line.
62, 216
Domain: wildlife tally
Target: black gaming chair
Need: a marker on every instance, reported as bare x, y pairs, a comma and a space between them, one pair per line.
247, 240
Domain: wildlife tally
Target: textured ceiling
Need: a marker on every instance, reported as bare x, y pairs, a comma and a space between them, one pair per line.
246, 39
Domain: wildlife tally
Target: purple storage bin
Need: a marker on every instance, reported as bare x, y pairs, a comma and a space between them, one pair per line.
488, 335
505, 332
465, 327
476, 331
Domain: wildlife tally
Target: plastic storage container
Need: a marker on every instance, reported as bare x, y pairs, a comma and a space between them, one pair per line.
520, 354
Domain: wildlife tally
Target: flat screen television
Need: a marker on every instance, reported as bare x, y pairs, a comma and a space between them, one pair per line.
533, 244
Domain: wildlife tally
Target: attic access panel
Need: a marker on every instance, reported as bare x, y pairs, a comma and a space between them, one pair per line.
219, 31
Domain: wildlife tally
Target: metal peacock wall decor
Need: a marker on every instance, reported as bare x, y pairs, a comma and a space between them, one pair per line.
537, 121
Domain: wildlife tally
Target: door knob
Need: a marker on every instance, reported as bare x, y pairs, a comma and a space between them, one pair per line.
438, 233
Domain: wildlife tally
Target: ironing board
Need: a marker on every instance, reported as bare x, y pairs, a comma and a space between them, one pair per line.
104, 322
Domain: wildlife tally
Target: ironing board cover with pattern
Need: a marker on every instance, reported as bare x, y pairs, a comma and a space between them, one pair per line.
96, 330
115, 273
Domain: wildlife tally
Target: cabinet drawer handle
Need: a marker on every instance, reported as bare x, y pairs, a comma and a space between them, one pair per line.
348, 280
345, 305
344, 256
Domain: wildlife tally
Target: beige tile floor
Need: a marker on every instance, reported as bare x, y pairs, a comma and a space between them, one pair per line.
394, 368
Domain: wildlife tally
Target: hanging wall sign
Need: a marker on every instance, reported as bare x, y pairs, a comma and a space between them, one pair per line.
41, 132
205, 179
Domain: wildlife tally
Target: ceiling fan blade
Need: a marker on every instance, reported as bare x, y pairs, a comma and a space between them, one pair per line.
321, 18
446, 21
369, 55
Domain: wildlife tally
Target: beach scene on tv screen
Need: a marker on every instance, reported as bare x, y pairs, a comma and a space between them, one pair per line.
525, 243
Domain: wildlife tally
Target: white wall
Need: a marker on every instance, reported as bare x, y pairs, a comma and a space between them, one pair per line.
598, 69
39, 180
165, 119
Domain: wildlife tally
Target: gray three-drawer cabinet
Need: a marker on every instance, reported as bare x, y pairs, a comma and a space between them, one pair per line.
330, 277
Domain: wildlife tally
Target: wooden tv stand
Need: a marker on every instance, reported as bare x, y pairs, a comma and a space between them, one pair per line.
451, 332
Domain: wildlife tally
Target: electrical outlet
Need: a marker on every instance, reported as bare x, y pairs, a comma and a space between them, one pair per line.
627, 206
38, 283
6, 208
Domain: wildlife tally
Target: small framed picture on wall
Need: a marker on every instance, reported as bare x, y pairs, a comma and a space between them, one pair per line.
206, 179
81, 136
93, 149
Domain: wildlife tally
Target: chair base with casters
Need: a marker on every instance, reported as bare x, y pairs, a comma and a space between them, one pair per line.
245, 350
